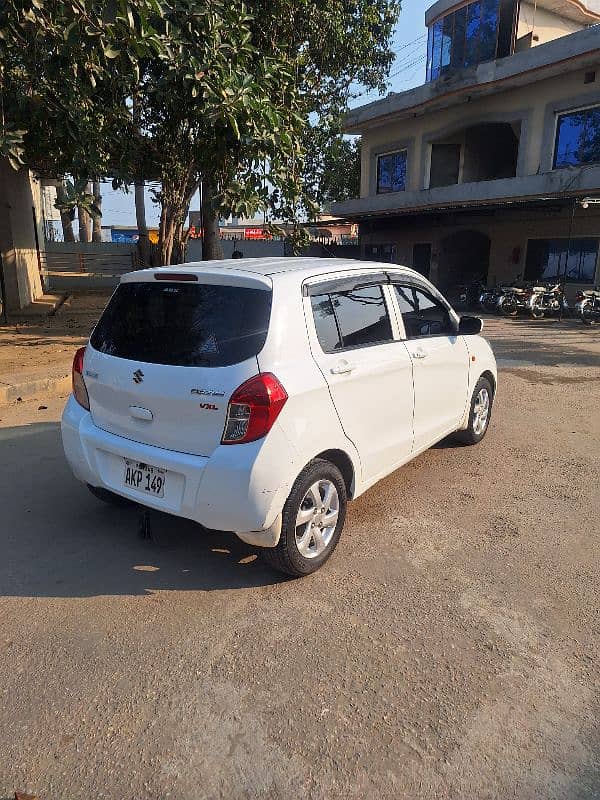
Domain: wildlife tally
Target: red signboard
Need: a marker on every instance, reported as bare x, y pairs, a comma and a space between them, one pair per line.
256, 233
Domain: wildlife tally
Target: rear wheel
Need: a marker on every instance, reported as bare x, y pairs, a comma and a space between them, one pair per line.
537, 312
109, 497
480, 413
588, 314
313, 518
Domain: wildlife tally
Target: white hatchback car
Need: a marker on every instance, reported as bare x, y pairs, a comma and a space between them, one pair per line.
259, 395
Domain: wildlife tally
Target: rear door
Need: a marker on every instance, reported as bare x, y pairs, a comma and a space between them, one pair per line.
166, 356
368, 370
440, 360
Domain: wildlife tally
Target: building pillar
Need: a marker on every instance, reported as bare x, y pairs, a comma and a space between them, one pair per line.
19, 209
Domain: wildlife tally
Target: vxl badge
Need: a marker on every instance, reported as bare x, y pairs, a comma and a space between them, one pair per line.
138, 376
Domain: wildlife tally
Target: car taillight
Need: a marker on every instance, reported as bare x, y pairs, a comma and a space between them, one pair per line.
79, 389
253, 409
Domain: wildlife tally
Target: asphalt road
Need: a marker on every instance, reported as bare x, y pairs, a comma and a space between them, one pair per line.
448, 650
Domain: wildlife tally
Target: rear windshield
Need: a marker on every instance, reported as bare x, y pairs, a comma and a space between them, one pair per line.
184, 325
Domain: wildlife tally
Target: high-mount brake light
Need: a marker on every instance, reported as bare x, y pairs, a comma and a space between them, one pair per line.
175, 276
80, 392
253, 409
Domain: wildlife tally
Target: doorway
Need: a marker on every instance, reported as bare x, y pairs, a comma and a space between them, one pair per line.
421, 260
464, 258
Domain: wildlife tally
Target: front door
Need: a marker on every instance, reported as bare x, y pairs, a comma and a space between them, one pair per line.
369, 373
441, 364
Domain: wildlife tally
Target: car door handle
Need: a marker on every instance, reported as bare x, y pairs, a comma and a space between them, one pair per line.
342, 368
419, 354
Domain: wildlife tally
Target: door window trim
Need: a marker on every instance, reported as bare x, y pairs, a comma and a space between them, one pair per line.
345, 284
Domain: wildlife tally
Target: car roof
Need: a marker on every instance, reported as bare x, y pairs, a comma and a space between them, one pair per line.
302, 267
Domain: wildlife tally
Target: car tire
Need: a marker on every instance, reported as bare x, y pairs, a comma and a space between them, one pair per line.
109, 497
306, 541
480, 413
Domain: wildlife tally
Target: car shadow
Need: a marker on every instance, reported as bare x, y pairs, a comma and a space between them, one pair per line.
57, 540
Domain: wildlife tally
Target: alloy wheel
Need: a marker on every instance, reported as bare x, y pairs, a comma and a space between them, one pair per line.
317, 518
481, 411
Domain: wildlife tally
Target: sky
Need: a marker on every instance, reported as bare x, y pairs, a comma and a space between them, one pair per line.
410, 46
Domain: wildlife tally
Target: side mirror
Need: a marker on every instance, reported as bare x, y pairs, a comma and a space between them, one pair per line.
470, 326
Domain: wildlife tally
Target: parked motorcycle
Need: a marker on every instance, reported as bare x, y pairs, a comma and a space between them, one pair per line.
514, 299
547, 299
469, 294
588, 305
488, 299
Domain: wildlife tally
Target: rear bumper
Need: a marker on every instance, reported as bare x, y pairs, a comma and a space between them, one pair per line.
239, 488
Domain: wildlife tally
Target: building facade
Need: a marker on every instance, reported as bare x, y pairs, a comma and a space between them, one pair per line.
491, 169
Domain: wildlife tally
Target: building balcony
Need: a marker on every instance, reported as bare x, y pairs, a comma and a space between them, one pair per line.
576, 51
556, 184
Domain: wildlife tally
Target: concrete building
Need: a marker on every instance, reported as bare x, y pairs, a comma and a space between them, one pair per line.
492, 167
20, 234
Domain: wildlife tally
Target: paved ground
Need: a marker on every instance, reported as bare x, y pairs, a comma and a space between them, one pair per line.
448, 650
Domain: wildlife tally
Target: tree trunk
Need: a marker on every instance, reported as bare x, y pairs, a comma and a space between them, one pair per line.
165, 236
145, 251
97, 219
84, 221
211, 239
65, 216
175, 198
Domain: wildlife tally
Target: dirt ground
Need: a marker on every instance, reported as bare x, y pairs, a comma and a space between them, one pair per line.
50, 341
448, 650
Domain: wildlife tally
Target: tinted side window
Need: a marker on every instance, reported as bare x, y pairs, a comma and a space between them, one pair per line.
351, 319
422, 314
325, 323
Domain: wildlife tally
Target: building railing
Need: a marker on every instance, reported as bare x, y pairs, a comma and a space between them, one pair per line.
101, 263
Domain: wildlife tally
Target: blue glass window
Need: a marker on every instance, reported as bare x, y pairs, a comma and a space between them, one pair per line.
572, 261
489, 30
472, 34
479, 31
436, 57
458, 44
578, 138
391, 172
429, 52
447, 31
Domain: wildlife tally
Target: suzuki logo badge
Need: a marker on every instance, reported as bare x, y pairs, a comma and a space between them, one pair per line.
138, 376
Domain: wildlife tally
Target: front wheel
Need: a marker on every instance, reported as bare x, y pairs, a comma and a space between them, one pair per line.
537, 312
480, 413
508, 306
313, 518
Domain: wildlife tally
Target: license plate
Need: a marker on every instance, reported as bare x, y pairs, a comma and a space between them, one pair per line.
145, 478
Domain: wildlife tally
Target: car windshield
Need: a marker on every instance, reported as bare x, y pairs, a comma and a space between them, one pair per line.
184, 325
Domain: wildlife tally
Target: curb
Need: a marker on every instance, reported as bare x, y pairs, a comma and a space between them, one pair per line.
12, 390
